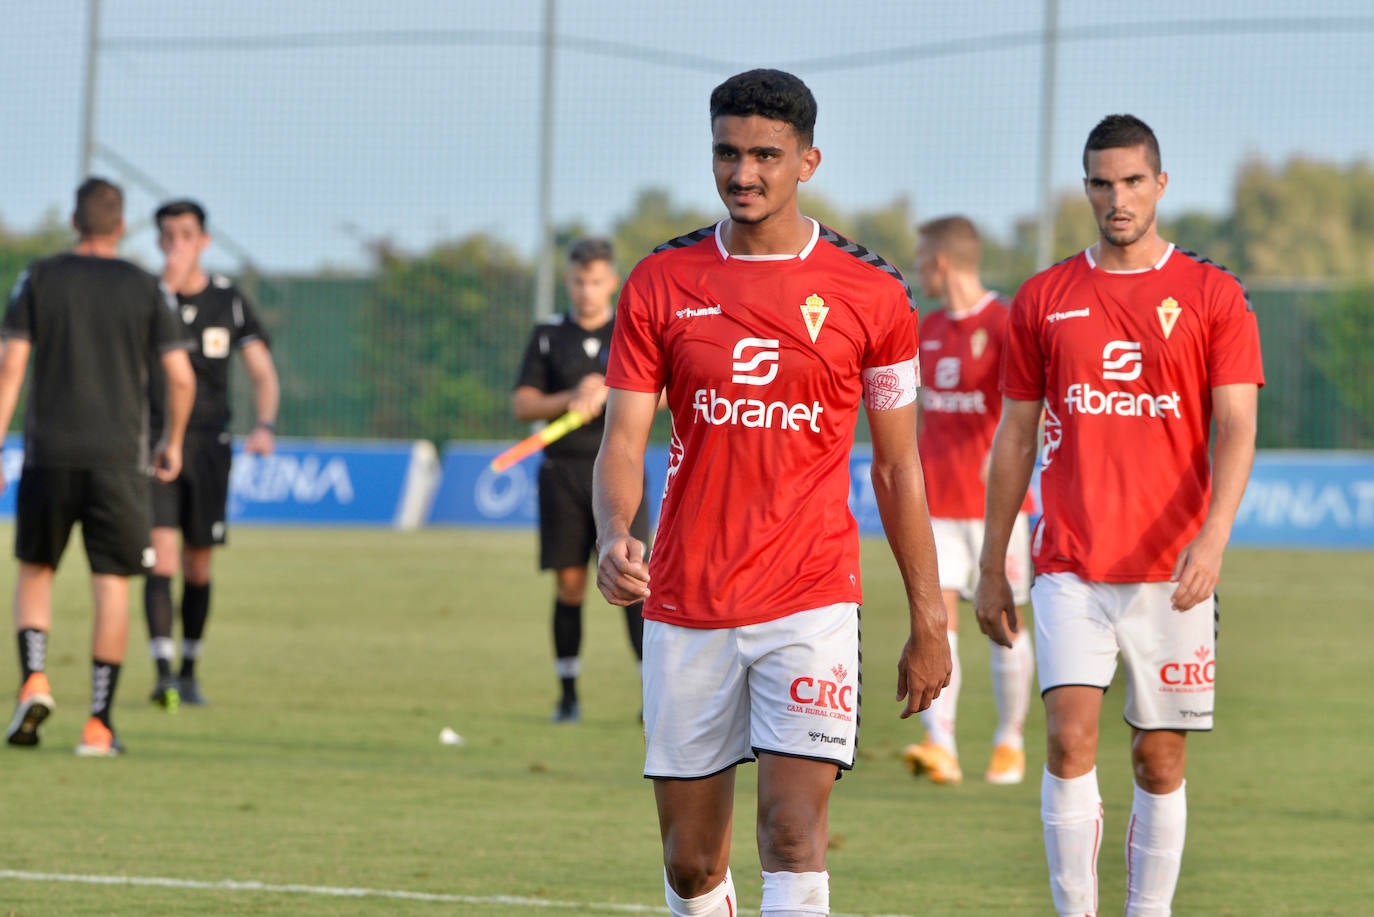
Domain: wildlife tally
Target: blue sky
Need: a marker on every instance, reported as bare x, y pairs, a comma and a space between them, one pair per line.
309, 127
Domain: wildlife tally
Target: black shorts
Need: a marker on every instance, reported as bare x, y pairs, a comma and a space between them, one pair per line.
196, 500
110, 504
567, 528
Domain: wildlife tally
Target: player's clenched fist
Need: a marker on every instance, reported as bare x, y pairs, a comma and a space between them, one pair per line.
621, 574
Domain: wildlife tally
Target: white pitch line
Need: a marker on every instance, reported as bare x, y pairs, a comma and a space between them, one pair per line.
234, 885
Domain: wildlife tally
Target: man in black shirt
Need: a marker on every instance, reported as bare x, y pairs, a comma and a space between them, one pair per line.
563, 371
92, 323
219, 319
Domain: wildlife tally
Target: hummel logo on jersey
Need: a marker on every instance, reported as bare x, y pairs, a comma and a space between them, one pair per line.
1122, 361
1072, 313
689, 312
761, 367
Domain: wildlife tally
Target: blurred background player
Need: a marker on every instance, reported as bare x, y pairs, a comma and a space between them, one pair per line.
92, 323
961, 355
220, 320
1135, 348
564, 370
769, 331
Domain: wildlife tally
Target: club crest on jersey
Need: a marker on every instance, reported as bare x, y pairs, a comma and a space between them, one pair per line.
1168, 311
978, 342
591, 347
214, 343
814, 312
188, 314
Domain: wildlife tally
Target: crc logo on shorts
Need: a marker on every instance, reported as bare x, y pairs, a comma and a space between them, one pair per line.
1189, 677
756, 361
947, 372
823, 696
1122, 361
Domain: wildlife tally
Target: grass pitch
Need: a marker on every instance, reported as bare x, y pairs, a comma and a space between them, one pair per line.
334, 658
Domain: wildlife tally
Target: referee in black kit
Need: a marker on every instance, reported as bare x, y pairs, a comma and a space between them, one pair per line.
92, 324
563, 371
221, 320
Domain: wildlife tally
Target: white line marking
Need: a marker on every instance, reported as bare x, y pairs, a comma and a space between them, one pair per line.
234, 885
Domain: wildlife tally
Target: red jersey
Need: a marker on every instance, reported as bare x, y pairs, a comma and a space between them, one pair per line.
961, 356
765, 362
1126, 364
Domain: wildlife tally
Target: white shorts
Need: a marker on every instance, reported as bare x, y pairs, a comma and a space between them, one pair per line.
714, 698
1169, 656
958, 542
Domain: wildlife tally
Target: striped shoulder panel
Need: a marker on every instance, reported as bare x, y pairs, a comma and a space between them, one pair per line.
1208, 262
691, 238
850, 247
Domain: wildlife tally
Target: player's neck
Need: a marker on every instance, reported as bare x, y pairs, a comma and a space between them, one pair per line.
97, 246
196, 281
592, 319
963, 293
786, 233
1141, 255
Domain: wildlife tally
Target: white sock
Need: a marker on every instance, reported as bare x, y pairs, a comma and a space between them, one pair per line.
1154, 850
795, 894
1012, 672
161, 647
938, 718
190, 649
1071, 811
718, 902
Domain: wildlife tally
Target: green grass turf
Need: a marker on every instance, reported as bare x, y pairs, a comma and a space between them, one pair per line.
335, 657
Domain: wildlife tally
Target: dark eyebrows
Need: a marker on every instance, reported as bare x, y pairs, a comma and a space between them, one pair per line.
723, 148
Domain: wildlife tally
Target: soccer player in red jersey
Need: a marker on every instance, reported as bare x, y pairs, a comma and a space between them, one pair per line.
767, 330
1134, 348
961, 353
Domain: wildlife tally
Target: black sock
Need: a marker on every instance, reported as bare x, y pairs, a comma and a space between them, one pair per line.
33, 652
634, 624
567, 645
195, 611
157, 609
104, 680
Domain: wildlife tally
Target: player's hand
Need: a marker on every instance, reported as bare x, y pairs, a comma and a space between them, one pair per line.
260, 442
166, 461
995, 608
1197, 571
923, 671
589, 397
621, 573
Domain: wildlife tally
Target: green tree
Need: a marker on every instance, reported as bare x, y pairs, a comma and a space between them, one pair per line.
442, 338
653, 219
1344, 341
1306, 219
17, 248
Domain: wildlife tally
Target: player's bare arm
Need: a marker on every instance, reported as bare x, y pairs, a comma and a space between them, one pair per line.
1199, 564
587, 398
617, 489
899, 486
181, 394
262, 372
14, 361
1009, 471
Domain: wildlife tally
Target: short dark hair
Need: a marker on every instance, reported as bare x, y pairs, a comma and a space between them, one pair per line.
772, 94
955, 237
1116, 132
179, 208
99, 207
590, 250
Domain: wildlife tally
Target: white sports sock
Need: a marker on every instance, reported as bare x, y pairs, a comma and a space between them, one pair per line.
161, 647
1154, 851
718, 902
795, 894
1071, 811
1012, 672
938, 719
